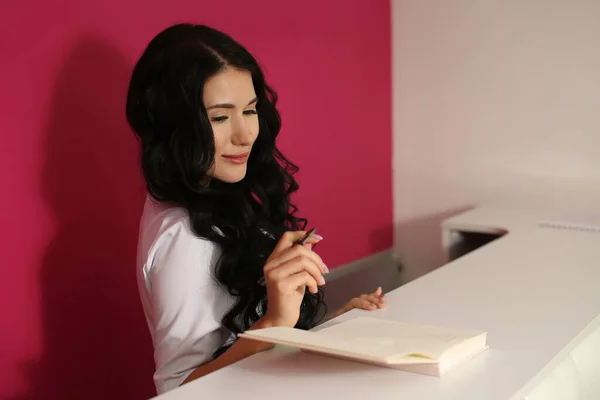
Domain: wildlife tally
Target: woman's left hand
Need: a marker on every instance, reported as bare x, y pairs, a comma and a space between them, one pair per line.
370, 302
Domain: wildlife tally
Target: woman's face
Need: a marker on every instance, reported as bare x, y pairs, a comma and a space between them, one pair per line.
230, 102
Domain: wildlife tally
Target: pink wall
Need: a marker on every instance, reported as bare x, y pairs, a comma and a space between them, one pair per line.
72, 326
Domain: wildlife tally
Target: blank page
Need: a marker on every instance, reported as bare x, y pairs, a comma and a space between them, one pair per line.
396, 338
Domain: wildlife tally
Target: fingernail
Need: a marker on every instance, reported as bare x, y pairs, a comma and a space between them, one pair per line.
318, 237
325, 268
322, 280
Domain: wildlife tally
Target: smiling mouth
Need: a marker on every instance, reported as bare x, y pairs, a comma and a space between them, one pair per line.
237, 158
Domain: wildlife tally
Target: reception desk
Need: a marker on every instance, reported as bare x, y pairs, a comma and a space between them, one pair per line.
535, 290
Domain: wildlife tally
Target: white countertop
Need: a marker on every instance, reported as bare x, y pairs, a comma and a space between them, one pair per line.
533, 290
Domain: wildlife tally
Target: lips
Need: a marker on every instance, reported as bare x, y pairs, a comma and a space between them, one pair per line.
237, 158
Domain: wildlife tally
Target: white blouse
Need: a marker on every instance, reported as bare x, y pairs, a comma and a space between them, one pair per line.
182, 301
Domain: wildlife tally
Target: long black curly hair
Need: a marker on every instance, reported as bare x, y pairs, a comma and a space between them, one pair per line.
166, 112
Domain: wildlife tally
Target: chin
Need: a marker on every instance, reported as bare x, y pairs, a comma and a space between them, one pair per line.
232, 176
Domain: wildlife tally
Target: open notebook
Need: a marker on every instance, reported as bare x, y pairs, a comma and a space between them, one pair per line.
428, 350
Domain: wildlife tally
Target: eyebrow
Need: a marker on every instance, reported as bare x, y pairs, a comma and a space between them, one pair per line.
229, 105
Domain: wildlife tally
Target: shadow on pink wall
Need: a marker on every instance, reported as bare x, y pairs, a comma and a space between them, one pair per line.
96, 344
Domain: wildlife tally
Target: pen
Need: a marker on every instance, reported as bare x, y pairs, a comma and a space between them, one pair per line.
306, 237
300, 242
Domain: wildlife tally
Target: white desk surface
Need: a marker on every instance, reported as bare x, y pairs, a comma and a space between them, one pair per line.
533, 290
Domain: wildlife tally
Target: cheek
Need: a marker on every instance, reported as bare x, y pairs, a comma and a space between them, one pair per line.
255, 128
220, 141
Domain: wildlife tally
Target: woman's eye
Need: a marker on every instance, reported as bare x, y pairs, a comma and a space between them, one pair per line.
219, 119
249, 112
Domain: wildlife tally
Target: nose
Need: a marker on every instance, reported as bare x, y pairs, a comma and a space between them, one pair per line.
242, 132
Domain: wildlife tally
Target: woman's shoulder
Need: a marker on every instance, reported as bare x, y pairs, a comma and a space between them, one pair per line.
159, 218
163, 217
166, 231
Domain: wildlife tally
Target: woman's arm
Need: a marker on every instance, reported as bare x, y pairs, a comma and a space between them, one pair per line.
241, 349
186, 307
289, 271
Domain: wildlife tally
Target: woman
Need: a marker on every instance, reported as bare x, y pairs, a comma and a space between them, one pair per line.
216, 254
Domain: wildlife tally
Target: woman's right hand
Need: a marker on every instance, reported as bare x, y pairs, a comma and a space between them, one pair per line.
289, 270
